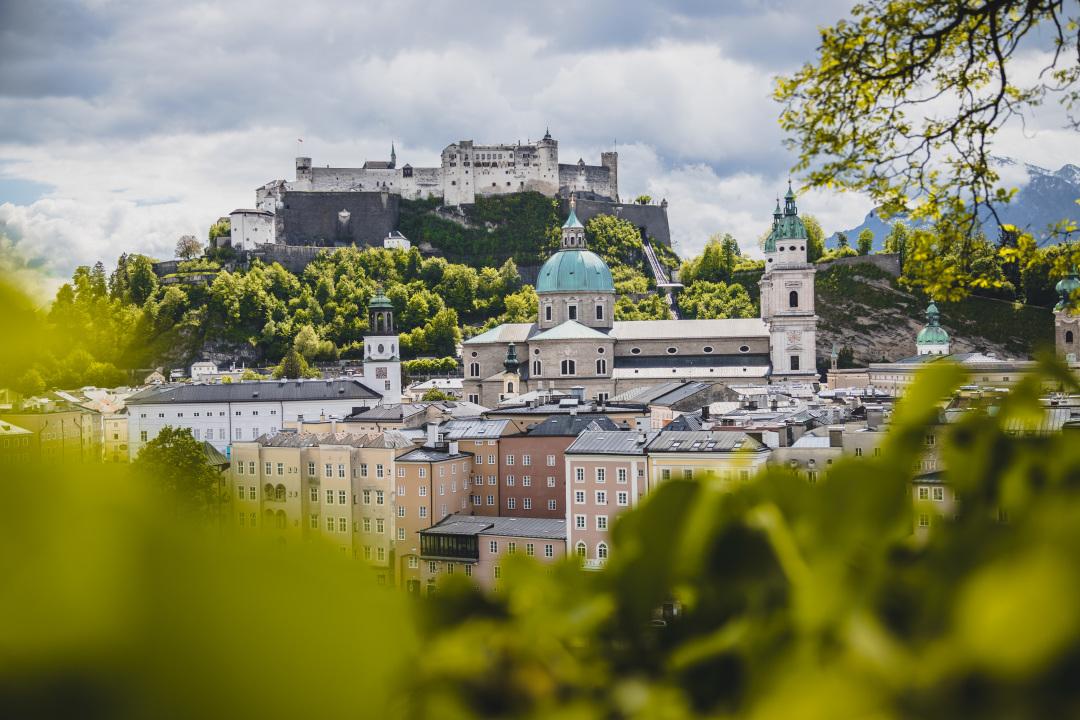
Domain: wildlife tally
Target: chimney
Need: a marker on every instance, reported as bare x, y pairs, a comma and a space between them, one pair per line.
704, 412
836, 437
453, 449
432, 434
333, 424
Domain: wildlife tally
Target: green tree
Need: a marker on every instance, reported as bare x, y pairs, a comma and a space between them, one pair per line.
650, 307
715, 300
841, 240
897, 242
857, 114
815, 238
435, 395
293, 366
188, 248
176, 463
221, 229
643, 199
865, 241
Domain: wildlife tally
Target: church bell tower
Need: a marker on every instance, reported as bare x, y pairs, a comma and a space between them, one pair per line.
787, 296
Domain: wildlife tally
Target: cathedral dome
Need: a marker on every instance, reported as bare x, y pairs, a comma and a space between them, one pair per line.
933, 333
575, 271
787, 225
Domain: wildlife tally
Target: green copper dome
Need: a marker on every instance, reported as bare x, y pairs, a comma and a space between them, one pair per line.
1066, 288
786, 225
933, 333
574, 271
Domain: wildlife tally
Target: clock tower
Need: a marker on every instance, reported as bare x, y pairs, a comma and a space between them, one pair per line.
787, 296
382, 355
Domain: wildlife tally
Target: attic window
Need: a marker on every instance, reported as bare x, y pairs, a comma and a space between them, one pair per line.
707, 348
744, 348
672, 350
635, 351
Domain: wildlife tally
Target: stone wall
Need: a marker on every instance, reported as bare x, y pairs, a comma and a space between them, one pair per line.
293, 258
889, 262
317, 219
653, 219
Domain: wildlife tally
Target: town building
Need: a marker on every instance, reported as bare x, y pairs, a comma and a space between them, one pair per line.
483, 439
476, 547
606, 475
533, 467
61, 431
576, 341
731, 456
338, 488
432, 482
16, 445
450, 386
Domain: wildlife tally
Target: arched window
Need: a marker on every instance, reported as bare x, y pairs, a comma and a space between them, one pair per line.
282, 520
474, 369
279, 492
509, 387
569, 367
379, 322
793, 299
536, 368
601, 551
600, 310
268, 491
582, 551
601, 366
547, 312
1069, 336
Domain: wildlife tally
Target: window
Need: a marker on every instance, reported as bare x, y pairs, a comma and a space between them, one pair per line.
380, 553
401, 531
311, 469
601, 497
442, 488
251, 492
939, 494
414, 562
665, 474
601, 551
267, 469
571, 312
421, 471
251, 467
329, 524
924, 521
551, 481
423, 491
379, 470
581, 550
490, 499
493, 546
547, 312
511, 503
239, 465
400, 473
474, 369
793, 299
341, 497
342, 525
579, 474
930, 440
688, 474
493, 479
599, 311
526, 503
526, 481
380, 497
620, 476
314, 521
329, 497
423, 511
367, 524
858, 452
579, 522
553, 505
622, 498
579, 497
366, 495
511, 548
340, 471
363, 469
328, 470
491, 459
568, 367
380, 525
794, 362
924, 493
530, 549
509, 481
601, 475
601, 366
549, 551
536, 371
401, 514
509, 459
526, 460
498, 572
449, 568
468, 570
1069, 336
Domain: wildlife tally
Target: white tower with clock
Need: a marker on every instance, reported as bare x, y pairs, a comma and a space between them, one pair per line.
787, 296
382, 352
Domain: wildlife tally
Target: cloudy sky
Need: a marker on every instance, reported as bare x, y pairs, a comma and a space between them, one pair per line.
128, 123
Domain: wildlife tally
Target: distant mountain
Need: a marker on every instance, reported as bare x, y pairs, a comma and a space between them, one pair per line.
1047, 197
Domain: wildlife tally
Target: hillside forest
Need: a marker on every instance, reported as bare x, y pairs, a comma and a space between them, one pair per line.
122, 323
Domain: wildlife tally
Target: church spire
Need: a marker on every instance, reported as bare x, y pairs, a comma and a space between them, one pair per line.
393, 155
573, 232
789, 201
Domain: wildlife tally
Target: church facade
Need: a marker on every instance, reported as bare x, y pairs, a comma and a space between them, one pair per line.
576, 344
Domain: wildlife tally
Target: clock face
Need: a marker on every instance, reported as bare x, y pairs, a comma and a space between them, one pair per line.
794, 337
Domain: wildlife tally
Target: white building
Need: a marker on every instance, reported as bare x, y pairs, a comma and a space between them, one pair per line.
396, 241
249, 228
227, 412
203, 370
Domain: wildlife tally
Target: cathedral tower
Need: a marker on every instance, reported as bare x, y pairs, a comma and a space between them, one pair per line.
382, 358
787, 296
1067, 317
932, 339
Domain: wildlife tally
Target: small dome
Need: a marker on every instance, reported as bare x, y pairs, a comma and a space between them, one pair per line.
378, 300
574, 271
932, 335
1066, 287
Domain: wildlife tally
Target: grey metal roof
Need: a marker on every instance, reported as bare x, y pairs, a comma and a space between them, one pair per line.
703, 441
611, 442
686, 421
680, 361
256, 391
474, 429
391, 412
556, 409
682, 329
425, 454
505, 333
544, 528
571, 425
390, 439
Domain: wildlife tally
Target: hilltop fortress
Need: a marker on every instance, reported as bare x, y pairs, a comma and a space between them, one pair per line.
467, 171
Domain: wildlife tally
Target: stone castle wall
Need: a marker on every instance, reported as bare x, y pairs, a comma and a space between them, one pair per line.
889, 262
315, 218
652, 219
